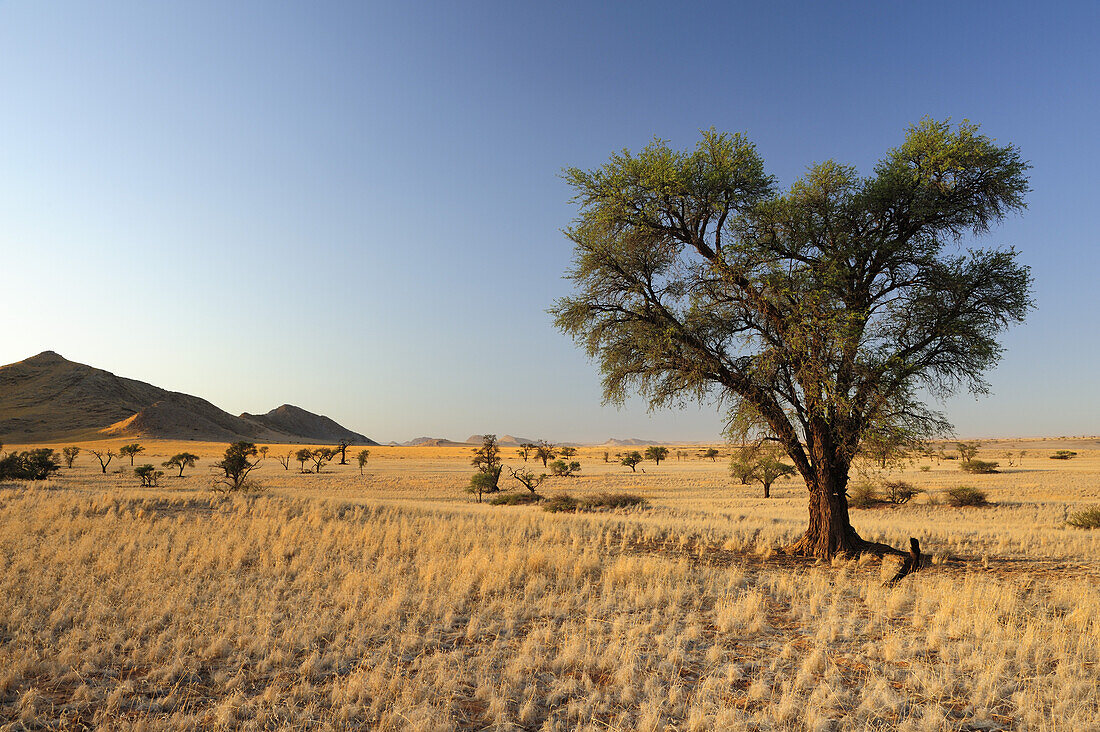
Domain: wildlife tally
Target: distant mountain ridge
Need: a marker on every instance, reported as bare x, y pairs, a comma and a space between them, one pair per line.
47, 397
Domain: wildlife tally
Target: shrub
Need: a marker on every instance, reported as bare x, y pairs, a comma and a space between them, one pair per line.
516, 499
926, 468
564, 469
236, 464
966, 496
980, 466
614, 500
863, 495
32, 465
1063, 455
149, 475
1088, 518
565, 502
560, 503
899, 492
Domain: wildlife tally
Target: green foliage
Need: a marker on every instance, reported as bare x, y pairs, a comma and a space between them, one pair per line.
563, 502
1086, 518
321, 456
743, 464
545, 451
130, 451
362, 458
485, 481
526, 449
968, 450
567, 452
563, 469
69, 455
711, 453
979, 466
236, 464
830, 309
149, 475
303, 456
656, 453
631, 460
29, 465
1063, 455
181, 460
962, 496
515, 499
487, 461
527, 479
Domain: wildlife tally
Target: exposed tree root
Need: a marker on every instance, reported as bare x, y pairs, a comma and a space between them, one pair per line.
850, 544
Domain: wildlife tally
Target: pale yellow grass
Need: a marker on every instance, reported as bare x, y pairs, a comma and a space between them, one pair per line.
390, 600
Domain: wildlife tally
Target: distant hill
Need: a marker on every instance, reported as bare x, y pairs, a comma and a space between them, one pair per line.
429, 442
503, 440
47, 397
631, 442
297, 421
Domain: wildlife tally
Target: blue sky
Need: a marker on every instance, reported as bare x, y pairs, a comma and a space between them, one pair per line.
356, 207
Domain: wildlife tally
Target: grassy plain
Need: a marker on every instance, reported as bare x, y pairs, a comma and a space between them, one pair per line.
393, 601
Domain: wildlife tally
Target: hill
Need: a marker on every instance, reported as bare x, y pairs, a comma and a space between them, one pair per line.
297, 421
503, 440
48, 397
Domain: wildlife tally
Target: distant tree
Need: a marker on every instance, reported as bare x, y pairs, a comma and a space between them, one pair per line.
656, 453
968, 450
743, 463
527, 479
362, 458
606, 457
889, 445
237, 464
770, 468
567, 452
342, 448
526, 449
321, 456
131, 450
149, 475
631, 460
711, 453
565, 469
30, 465
263, 450
69, 454
1062, 455
183, 460
303, 456
284, 460
104, 457
545, 451
680, 455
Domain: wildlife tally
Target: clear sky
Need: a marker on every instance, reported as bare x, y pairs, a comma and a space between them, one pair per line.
356, 207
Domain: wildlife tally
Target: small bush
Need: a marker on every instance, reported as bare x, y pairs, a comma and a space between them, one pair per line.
980, 466
614, 500
560, 503
563, 469
516, 499
926, 468
564, 502
1088, 518
863, 495
899, 492
1063, 455
966, 496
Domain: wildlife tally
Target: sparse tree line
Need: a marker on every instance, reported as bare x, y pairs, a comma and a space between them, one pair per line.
240, 459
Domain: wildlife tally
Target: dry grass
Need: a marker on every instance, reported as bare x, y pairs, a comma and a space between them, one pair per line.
392, 601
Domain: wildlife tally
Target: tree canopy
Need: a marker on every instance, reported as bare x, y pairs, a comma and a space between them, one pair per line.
827, 309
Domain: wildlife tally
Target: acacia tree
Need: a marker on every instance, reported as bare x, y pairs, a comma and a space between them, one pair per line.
303, 456
342, 448
104, 457
362, 457
525, 450
487, 461
545, 451
656, 453
237, 463
69, 454
320, 456
131, 450
187, 460
824, 308
631, 460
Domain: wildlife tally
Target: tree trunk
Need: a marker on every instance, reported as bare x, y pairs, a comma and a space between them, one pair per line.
767, 490
829, 531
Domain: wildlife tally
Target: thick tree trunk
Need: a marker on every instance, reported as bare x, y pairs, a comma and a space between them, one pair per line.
767, 490
829, 531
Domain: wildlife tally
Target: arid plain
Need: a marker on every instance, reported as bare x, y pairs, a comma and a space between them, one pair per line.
393, 600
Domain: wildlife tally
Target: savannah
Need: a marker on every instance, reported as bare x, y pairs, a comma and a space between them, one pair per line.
391, 599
